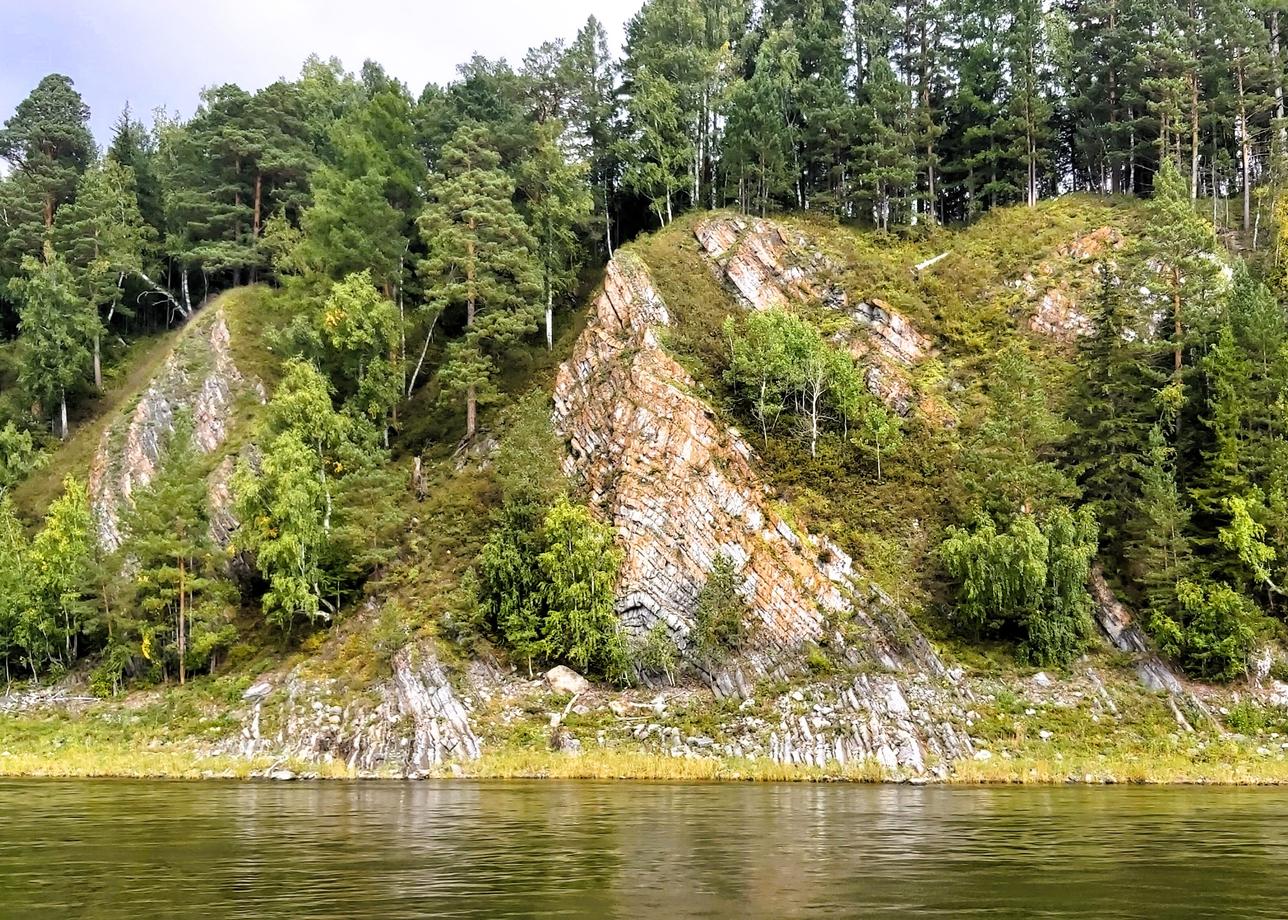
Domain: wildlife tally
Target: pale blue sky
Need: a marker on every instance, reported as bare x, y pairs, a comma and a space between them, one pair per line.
162, 52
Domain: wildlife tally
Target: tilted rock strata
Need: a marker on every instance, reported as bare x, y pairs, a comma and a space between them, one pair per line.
416, 723
764, 264
680, 490
199, 377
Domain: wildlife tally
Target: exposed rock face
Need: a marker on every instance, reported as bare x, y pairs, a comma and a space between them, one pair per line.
763, 262
417, 723
680, 490
198, 377
1056, 284
874, 719
1119, 627
756, 257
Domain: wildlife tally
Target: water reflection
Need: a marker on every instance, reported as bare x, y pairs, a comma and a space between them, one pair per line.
126, 849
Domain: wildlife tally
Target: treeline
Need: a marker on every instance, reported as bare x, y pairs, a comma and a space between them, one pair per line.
909, 114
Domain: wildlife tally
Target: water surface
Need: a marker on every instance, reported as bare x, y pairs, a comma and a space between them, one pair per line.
116, 849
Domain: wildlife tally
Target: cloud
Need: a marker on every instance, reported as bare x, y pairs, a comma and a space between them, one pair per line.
159, 53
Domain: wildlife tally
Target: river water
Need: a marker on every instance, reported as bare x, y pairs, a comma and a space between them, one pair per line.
116, 849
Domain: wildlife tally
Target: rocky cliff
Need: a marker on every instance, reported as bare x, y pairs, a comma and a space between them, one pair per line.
681, 489
200, 379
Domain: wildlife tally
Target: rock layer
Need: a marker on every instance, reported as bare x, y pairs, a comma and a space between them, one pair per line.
771, 267
681, 490
416, 721
200, 378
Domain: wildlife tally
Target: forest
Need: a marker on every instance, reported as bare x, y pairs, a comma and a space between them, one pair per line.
416, 239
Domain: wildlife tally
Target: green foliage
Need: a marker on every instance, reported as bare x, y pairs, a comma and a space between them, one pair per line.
780, 364
1211, 630
45, 583
19, 456
173, 613
579, 579
1028, 579
480, 266
1009, 459
548, 585
657, 654
286, 502
720, 617
55, 327
361, 328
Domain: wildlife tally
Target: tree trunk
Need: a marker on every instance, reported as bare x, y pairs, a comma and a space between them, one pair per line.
63, 414
1245, 148
259, 185
1277, 69
471, 396
98, 360
183, 637
1194, 135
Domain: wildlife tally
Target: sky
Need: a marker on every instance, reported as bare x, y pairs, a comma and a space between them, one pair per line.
163, 52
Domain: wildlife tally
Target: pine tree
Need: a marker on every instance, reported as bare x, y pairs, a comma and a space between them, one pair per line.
761, 143
480, 261
886, 166
47, 141
174, 567
1183, 245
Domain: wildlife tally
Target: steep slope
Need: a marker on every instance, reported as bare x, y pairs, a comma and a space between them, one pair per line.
680, 488
199, 379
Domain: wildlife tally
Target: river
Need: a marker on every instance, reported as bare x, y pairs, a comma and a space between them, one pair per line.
117, 849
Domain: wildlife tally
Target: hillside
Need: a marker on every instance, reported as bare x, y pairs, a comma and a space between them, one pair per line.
846, 662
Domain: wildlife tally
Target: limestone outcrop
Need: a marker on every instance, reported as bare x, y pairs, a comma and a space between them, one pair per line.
1059, 283
769, 266
411, 723
198, 378
681, 490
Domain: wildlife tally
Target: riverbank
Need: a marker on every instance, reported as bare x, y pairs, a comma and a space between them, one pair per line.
1095, 725
1231, 766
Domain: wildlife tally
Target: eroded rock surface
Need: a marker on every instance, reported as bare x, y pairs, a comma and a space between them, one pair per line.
200, 378
409, 723
770, 266
1059, 284
681, 490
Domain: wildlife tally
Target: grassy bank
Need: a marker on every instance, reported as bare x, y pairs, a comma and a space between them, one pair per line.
73, 754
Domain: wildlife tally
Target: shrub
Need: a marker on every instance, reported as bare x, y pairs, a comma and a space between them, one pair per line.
1026, 578
657, 654
579, 580
1212, 630
720, 619
547, 583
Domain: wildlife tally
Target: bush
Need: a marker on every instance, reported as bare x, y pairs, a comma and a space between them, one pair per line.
547, 583
657, 654
720, 619
1026, 578
1211, 632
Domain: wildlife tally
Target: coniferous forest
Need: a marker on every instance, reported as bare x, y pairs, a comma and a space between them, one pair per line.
421, 243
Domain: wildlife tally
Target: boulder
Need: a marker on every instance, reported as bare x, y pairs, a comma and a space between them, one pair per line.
563, 679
